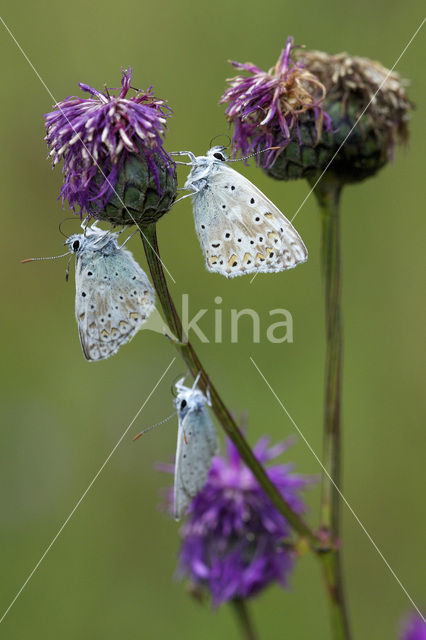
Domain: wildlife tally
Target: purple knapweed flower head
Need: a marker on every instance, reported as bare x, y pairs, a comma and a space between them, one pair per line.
111, 144
413, 628
266, 108
337, 113
234, 541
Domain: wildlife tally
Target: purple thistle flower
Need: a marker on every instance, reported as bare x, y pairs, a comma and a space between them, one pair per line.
234, 540
95, 136
414, 628
265, 107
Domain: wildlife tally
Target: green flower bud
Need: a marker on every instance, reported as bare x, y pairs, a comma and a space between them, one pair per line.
141, 196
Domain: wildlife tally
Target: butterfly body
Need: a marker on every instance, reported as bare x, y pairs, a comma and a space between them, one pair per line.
196, 446
240, 230
113, 294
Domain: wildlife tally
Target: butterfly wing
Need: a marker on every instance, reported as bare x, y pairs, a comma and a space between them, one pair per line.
113, 299
240, 230
196, 446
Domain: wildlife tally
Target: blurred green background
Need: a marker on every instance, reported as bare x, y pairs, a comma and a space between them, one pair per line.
111, 572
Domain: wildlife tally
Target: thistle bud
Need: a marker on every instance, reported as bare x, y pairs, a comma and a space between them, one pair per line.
115, 166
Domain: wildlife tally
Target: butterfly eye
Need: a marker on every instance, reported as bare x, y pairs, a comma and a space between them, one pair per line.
76, 245
219, 156
183, 404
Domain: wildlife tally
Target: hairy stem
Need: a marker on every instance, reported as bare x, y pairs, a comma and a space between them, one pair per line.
245, 621
328, 195
149, 239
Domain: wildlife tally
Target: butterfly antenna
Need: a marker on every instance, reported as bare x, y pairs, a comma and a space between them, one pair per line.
46, 258
157, 424
252, 155
61, 223
221, 135
179, 379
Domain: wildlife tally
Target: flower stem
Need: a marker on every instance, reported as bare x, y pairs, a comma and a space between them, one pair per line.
328, 195
244, 619
149, 240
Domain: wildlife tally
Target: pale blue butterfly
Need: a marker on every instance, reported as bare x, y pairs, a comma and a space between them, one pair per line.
196, 445
113, 294
240, 230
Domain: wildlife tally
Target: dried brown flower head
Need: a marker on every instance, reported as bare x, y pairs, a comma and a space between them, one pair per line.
361, 88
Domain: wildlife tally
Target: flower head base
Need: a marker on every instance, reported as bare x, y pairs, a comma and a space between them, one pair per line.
96, 136
266, 108
414, 628
369, 110
234, 540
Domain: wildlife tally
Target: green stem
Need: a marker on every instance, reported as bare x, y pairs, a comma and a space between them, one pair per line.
149, 239
244, 619
328, 195
332, 573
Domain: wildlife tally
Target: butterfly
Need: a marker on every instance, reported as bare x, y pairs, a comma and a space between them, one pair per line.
113, 295
240, 230
196, 445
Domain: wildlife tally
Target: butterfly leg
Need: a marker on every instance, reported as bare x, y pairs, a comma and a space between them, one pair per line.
175, 340
190, 155
85, 224
130, 236
67, 271
209, 398
183, 197
101, 237
196, 380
